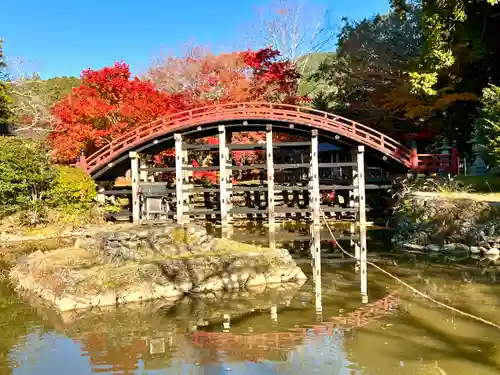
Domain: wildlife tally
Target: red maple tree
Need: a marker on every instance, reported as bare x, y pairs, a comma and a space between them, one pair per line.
108, 103
206, 78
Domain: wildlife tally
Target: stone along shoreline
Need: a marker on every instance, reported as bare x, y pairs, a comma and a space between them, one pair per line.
142, 263
435, 223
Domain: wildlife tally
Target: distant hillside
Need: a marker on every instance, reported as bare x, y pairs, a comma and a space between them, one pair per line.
307, 65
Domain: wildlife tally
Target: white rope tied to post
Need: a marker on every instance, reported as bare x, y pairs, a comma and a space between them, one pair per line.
479, 319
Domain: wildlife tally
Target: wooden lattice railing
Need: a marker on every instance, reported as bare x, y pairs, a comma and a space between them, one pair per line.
290, 114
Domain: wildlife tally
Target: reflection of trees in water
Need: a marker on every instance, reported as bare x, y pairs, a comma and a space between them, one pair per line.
458, 346
106, 356
17, 319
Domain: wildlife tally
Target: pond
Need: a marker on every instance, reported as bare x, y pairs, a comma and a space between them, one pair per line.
319, 328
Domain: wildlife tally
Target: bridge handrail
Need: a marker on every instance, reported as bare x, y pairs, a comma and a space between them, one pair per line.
372, 137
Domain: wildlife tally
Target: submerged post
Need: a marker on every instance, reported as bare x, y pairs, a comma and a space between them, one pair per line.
274, 314
270, 175
272, 238
135, 177
363, 265
223, 157
355, 185
316, 255
315, 201
179, 178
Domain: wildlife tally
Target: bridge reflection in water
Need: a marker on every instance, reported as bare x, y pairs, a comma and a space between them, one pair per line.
231, 331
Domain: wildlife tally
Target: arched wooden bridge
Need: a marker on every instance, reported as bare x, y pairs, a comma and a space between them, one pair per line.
246, 116
152, 196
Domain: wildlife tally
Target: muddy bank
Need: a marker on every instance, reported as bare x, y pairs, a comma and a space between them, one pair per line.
142, 263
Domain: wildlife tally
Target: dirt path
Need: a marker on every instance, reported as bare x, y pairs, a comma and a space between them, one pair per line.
478, 197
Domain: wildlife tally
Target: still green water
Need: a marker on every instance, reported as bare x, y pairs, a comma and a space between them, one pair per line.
278, 331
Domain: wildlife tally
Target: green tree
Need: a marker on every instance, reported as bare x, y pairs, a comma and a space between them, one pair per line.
4, 99
385, 75
488, 124
32, 101
72, 194
58, 87
26, 176
310, 85
17, 319
371, 61
459, 50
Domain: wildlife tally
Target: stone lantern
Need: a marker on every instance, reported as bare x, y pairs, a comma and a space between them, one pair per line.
478, 166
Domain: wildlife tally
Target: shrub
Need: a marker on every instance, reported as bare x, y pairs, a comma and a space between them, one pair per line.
26, 175
73, 191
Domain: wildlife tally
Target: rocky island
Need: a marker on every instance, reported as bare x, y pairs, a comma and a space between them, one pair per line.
143, 263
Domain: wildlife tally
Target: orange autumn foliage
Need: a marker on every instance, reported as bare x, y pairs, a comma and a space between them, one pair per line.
110, 102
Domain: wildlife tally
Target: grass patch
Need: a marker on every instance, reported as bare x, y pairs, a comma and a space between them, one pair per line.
481, 184
48, 231
476, 197
81, 271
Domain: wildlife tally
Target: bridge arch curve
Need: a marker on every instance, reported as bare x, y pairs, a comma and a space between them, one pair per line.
242, 117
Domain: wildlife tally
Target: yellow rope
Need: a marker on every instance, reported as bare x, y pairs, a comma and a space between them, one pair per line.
409, 286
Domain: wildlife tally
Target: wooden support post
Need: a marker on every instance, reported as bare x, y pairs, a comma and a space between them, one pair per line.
179, 180
363, 264
270, 175
229, 173
455, 160
186, 185
354, 203
274, 314
314, 194
223, 156
316, 253
361, 185
355, 183
142, 164
135, 177
227, 232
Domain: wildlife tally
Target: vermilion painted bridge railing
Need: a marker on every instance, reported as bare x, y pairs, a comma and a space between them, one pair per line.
291, 114
434, 163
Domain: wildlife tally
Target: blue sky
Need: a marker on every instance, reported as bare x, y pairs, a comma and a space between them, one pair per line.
62, 37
